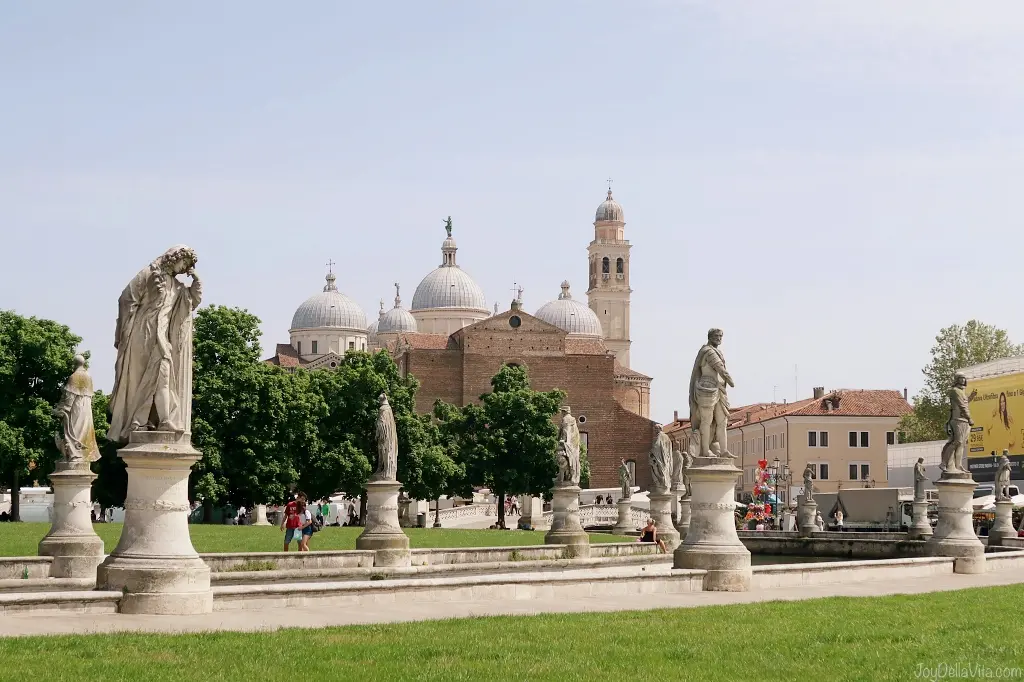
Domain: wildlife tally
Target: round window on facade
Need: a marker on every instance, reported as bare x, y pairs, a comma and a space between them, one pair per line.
334, 364
583, 419
514, 321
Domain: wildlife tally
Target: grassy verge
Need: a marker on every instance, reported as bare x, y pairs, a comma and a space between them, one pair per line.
884, 638
22, 539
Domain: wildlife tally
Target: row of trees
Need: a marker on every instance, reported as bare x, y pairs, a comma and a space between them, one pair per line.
264, 431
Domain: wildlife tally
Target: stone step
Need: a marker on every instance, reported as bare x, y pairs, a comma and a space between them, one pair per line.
8, 586
73, 601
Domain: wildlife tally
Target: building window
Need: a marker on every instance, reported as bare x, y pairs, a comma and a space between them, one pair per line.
817, 439
823, 471
860, 471
314, 348
351, 345
863, 440
890, 438
618, 266
298, 347
605, 265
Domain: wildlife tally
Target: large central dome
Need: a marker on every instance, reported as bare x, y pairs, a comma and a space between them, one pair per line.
330, 308
448, 286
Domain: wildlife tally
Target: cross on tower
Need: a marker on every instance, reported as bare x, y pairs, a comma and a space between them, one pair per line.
517, 291
330, 266
609, 184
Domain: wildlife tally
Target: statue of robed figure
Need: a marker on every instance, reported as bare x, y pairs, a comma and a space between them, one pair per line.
387, 443
153, 372
76, 439
1002, 487
709, 402
568, 452
661, 462
625, 481
958, 427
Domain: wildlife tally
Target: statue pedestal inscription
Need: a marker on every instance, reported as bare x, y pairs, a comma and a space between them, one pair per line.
921, 527
382, 532
72, 542
711, 542
806, 513
624, 525
154, 563
1003, 526
261, 516
954, 534
685, 512
565, 522
661, 512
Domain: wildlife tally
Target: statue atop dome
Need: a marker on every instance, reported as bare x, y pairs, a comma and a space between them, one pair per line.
448, 226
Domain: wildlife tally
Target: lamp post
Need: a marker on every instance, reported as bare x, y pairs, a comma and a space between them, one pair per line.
780, 471
773, 471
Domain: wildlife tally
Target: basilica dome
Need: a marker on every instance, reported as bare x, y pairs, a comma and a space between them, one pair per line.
448, 286
573, 316
610, 210
397, 320
330, 308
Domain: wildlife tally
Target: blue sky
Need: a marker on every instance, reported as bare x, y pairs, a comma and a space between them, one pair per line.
831, 183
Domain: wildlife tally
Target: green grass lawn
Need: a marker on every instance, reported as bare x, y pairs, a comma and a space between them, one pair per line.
22, 539
872, 639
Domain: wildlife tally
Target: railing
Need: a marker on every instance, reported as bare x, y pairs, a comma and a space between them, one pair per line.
593, 515
467, 511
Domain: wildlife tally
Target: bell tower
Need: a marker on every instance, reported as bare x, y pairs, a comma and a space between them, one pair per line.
609, 290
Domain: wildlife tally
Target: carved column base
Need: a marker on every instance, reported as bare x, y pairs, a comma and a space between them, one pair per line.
382, 533
154, 564
624, 525
661, 512
806, 513
954, 533
711, 542
685, 513
565, 522
72, 542
261, 516
1003, 527
920, 528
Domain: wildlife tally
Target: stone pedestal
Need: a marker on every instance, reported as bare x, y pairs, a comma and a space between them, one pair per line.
661, 512
1003, 527
683, 521
920, 527
154, 564
954, 534
72, 542
565, 522
531, 513
806, 513
261, 516
711, 542
382, 532
624, 525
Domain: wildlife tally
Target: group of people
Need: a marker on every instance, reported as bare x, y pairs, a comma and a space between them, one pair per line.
511, 506
299, 523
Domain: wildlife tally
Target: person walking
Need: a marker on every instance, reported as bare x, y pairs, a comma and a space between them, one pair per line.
291, 523
306, 526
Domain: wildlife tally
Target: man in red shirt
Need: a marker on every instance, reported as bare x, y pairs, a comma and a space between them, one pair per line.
291, 523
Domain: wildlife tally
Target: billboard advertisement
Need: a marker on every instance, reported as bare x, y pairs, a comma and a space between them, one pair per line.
997, 407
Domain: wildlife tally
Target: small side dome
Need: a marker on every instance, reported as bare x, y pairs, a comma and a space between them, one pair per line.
610, 210
330, 308
398, 319
572, 316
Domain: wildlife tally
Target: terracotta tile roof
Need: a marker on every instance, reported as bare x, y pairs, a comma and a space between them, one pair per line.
621, 371
584, 347
285, 356
856, 403
419, 341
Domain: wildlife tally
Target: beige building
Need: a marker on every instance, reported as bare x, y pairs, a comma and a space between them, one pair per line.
843, 434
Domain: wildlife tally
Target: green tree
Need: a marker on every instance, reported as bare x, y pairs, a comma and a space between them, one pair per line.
518, 438
36, 358
584, 466
955, 347
111, 485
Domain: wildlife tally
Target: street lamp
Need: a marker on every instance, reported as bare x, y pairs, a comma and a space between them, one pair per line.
773, 471
779, 470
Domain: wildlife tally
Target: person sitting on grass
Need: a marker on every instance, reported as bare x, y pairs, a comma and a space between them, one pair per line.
650, 534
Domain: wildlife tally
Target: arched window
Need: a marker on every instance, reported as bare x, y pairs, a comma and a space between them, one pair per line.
605, 265
618, 266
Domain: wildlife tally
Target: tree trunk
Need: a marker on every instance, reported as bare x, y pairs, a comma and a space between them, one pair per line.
437, 513
207, 511
501, 510
362, 509
15, 497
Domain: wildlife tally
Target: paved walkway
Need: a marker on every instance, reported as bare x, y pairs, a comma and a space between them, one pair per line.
51, 623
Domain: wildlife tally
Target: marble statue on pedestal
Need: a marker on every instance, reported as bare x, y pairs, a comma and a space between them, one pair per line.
76, 439
568, 451
809, 482
958, 427
661, 461
691, 452
919, 480
1002, 487
387, 443
709, 403
677, 467
153, 372
625, 482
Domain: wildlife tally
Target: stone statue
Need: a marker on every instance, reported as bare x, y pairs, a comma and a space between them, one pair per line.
625, 481
919, 479
677, 467
661, 462
688, 464
709, 403
809, 483
387, 443
818, 521
1003, 478
958, 426
448, 226
568, 450
153, 371
76, 439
